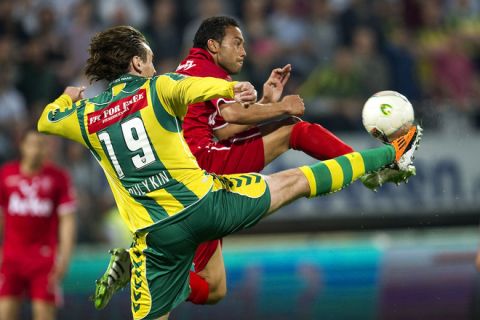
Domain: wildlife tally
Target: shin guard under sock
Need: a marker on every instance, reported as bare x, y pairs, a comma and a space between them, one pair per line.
332, 175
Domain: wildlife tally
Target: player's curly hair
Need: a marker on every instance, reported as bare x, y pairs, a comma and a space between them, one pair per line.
212, 28
111, 52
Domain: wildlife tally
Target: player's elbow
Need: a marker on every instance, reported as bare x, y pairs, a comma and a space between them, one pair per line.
41, 126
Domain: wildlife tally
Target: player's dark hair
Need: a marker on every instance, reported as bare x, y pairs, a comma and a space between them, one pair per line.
112, 50
212, 28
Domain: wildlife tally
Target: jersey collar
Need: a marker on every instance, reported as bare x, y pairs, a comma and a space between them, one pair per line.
202, 54
124, 79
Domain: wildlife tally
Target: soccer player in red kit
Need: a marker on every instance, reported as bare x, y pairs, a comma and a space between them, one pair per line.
225, 136
230, 137
37, 204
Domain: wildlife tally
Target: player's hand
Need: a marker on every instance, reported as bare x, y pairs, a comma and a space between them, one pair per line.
76, 93
55, 277
294, 105
273, 87
245, 92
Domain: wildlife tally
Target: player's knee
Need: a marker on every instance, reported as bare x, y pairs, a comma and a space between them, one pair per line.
217, 293
284, 129
288, 123
292, 120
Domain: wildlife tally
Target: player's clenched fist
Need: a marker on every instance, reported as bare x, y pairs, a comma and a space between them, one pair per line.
294, 105
76, 93
245, 92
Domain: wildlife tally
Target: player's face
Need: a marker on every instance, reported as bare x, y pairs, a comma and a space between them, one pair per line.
34, 148
148, 70
231, 53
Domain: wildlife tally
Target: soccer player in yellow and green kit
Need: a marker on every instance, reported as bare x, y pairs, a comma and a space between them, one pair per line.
170, 204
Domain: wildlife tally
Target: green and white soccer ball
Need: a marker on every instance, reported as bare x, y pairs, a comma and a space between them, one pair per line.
387, 115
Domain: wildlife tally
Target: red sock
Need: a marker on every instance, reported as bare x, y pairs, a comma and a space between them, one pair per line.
316, 141
199, 289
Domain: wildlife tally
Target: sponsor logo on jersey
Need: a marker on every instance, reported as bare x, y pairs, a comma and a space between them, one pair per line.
31, 206
26, 200
187, 65
116, 111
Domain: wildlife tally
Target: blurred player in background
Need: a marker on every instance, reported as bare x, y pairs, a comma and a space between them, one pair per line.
226, 137
168, 202
37, 204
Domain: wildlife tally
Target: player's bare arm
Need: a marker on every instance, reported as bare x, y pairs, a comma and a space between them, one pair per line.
242, 117
67, 233
237, 113
272, 92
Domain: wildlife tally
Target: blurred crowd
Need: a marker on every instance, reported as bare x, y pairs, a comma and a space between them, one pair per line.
342, 51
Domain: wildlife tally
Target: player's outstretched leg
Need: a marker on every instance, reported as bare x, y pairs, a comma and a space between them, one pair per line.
116, 277
320, 143
335, 174
332, 175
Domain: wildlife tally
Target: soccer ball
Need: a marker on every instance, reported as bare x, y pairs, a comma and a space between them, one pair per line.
387, 115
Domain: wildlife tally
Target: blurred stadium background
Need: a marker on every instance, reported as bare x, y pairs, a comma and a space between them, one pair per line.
404, 252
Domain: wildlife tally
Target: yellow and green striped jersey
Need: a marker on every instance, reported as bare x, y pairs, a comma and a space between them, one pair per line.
134, 131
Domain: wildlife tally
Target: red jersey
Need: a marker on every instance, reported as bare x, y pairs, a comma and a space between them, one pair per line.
31, 206
202, 118
244, 153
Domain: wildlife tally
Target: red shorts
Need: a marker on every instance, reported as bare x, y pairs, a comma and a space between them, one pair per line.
242, 154
19, 277
204, 252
